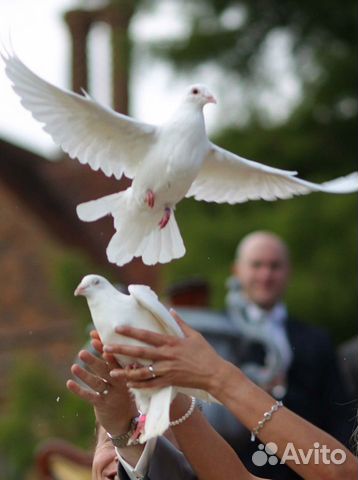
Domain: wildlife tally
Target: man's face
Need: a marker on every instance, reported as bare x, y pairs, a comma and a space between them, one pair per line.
263, 270
105, 461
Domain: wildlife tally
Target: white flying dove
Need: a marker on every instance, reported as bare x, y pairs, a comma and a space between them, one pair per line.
167, 163
141, 309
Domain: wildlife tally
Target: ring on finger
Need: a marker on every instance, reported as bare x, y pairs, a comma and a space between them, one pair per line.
106, 387
104, 392
151, 370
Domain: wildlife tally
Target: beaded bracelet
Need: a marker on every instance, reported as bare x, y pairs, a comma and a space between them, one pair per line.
186, 415
267, 417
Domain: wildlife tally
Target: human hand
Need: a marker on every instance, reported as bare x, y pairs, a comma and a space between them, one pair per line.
112, 403
183, 362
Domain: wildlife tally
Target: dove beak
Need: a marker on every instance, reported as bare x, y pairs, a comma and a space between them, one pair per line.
211, 99
80, 290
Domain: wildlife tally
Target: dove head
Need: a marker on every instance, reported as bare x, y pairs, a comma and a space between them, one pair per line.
91, 285
200, 95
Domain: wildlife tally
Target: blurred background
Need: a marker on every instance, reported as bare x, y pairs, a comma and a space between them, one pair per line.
285, 76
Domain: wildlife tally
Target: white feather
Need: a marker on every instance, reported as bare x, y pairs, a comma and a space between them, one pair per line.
226, 177
141, 308
172, 161
81, 126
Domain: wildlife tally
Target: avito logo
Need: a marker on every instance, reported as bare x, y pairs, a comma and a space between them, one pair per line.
318, 454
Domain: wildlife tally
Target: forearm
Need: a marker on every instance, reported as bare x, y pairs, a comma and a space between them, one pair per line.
210, 456
189, 361
248, 402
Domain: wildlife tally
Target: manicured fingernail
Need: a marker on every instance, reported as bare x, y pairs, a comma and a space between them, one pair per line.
114, 373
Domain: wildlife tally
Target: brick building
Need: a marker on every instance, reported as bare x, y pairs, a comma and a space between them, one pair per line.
38, 223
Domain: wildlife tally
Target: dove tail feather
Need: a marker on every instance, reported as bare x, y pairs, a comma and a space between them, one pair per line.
138, 235
162, 245
157, 416
96, 209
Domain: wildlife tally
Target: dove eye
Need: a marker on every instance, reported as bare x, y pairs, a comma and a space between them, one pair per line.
96, 282
195, 91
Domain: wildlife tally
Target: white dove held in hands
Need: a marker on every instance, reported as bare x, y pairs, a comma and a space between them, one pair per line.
167, 163
141, 309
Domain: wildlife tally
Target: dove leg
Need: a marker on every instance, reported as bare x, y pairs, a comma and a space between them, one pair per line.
165, 218
138, 430
150, 198
142, 401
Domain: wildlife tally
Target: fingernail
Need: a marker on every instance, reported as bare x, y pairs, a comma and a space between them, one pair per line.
108, 348
114, 373
129, 384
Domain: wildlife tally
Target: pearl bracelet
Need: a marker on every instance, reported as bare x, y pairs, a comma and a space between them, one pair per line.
267, 417
186, 415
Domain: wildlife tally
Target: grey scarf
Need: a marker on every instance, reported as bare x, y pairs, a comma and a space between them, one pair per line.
254, 331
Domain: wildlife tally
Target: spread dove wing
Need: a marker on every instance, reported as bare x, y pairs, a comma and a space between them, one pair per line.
167, 163
141, 308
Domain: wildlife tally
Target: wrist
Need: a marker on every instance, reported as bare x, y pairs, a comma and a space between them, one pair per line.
128, 438
118, 424
119, 429
221, 379
227, 381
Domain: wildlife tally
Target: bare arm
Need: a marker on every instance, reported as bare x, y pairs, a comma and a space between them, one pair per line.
188, 362
209, 454
248, 402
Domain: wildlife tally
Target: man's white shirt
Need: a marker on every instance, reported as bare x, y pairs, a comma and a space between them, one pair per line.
139, 471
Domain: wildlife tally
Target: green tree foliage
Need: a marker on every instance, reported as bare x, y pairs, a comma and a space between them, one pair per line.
40, 405
318, 139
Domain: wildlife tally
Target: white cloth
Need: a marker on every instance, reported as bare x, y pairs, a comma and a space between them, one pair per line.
139, 471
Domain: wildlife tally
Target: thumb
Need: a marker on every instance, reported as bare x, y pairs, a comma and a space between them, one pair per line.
188, 331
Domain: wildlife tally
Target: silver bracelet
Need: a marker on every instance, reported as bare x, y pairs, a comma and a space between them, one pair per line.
121, 440
186, 415
267, 417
